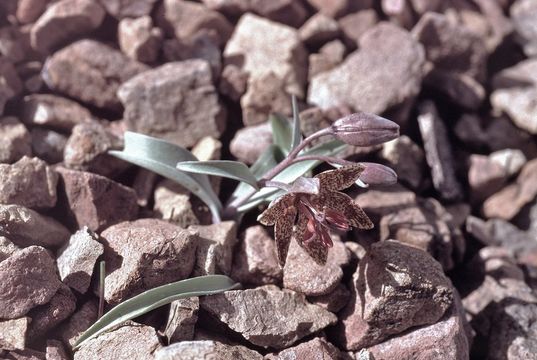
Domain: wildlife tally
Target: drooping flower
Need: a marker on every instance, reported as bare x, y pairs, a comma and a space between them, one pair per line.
313, 207
364, 129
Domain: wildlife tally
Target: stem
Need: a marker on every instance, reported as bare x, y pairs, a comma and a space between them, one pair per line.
328, 159
277, 184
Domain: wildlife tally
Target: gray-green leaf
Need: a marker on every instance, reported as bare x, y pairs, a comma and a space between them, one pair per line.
297, 136
224, 168
282, 132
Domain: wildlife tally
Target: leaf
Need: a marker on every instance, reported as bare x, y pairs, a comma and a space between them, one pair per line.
161, 157
282, 132
297, 136
224, 168
154, 298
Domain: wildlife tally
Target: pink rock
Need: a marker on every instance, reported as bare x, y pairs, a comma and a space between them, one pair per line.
128, 8
139, 40
337, 8
354, 25
29, 10
250, 142
319, 29
206, 349
79, 322
333, 301
233, 82
16, 140
313, 349
182, 320
288, 12
13, 333
10, 84
48, 145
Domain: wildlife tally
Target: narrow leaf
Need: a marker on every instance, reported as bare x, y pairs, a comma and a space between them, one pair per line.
297, 137
154, 298
224, 168
282, 132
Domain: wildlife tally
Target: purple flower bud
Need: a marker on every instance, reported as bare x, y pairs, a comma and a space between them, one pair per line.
376, 174
364, 129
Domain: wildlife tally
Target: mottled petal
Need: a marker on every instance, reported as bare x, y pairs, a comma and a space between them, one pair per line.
344, 204
283, 231
339, 179
277, 209
317, 250
301, 227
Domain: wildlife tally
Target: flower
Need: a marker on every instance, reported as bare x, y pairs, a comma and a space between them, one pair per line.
364, 129
309, 212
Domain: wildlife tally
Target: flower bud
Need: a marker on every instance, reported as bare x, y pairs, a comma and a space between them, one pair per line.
376, 174
364, 129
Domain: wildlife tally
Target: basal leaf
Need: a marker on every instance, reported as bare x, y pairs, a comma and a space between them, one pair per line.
224, 168
297, 136
282, 132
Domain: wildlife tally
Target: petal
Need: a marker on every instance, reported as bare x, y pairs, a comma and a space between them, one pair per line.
343, 203
283, 230
317, 250
277, 209
301, 227
339, 179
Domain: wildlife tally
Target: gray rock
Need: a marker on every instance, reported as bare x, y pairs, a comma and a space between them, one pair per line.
250, 142
29, 279
16, 140
128, 8
523, 13
333, 301
139, 40
182, 320
318, 348
7, 248
29, 10
460, 88
406, 158
318, 29
273, 318
206, 349
354, 25
48, 145
13, 333
10, 84
230, 8
56, 351
199, 46
336, 8
176, 101
233, 81
12, 44
379, 202
79, 322
287, 12
172, 203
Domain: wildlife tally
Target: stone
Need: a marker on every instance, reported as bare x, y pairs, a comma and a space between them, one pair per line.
48, 145
10, 84
378, 76
56, 351
29, 11
13, 333
522, 14
208, 148
26, 354
30, 76
28, 182
287, 12
397, 285
354, 25
77, 259
206, 349
380, 202
438, 152
462, 89
302, 274
12, 44
130, 339
29, 279
95, 201
172, 203
230, 8
183, 19
46, 317
79, 322
53, 111
176, 102
202, 46
336, 8
311, 121
406, 158
139, 40
318, 30
250, 142
318, 348
273, 318
333, 301
398, 12
128, 8
182, 320
144, 254
63, 21
91, 72
233, 82
16, 140
254, 260
214, 253
7, 248
330, 55
508, 202
511, 160
259, 46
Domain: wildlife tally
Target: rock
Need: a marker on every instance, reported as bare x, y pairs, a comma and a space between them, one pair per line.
208, 148
230, 8
514, 91
63, 21
13, 45
29, 279
302, 274
508, 202
199, 46
333, 301
13, 333
91, 72
287, 12
214, 253
7, 248
336, 8
511, 160
53, 111
522, 14
233, 81
182, 320
121, 341
48, 145
397, 285
255, 259
311, 121
318, 348
273, 318
77, 259
56, 351
25, 354
380, 75
128, 8
259, 46
447, 339
139, 40
250, 142
28, 182
16, 140
318, 29
206, 349
329, 56
354, 25
144, 254
46, 317
398, 12
160, 103
184, 19
10, 84
29, 11
438, 152
81, 320
380, 202
95, 201
406, 158
462, 89
172, 203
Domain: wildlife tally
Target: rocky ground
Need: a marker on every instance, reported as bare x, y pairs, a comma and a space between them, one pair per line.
458, 76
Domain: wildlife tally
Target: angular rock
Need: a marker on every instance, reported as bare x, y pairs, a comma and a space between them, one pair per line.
214, 253
81, 320
381, 202
56, 351
63, 21
13, 333
139, 40
523, 13
395, 288
128, 8
199, 46
16, 140
287, 12
144, 254
259, 46
311, 121
255, 259
354, 25
208, 148
12, 44
329, 56
130, 339
398, 12
29, 10
318, 29
48, 145
206, 349
233, 81
273, 318
182, 320
438, 152
333, 301
77, 259
91, 72
406, 158
230, 8
28, 278
380, 75
95, 201
462, 89
336, 8
250, 142
176, 101
10, 84
26, 354
318, 348
172, 203
7, 248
